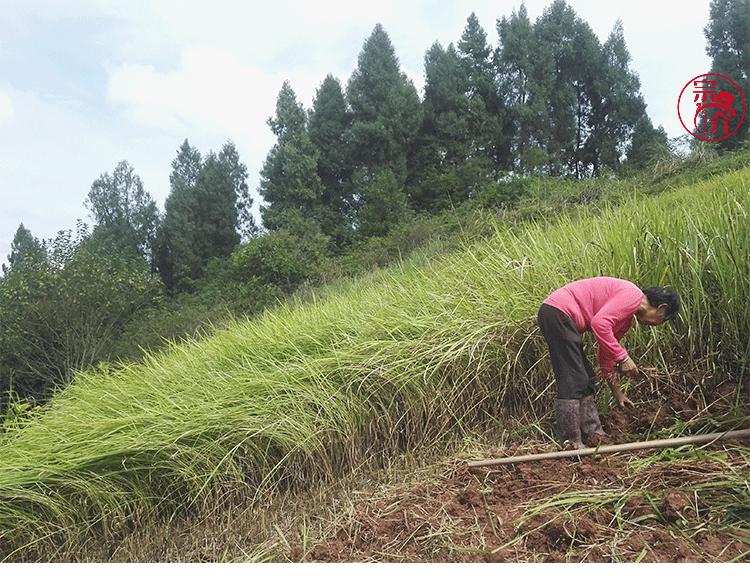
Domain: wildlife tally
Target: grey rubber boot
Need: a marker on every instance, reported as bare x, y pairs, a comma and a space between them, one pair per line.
590, 423
568, 423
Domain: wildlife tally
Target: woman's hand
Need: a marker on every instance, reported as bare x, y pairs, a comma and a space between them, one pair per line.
620, 398
623, 401
628, 367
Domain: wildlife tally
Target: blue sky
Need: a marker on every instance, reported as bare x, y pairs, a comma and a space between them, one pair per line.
85, 84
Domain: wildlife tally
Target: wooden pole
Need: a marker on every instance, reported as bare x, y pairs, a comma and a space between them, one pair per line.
607, 449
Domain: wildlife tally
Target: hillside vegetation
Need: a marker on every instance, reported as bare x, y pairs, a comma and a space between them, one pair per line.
423, 350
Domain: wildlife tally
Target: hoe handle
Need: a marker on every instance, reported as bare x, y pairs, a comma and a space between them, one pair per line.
606, 449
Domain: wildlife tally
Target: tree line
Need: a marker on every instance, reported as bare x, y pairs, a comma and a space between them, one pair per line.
367, 158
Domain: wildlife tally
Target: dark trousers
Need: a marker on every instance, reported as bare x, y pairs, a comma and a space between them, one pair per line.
573, 372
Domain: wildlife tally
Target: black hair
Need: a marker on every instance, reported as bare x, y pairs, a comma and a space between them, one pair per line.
664, 295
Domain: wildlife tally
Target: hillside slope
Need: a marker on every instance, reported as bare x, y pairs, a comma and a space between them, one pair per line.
409, 354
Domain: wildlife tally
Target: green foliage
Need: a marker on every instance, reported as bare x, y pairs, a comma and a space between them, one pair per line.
174, 255
442, 159
400, 243
515, 58
289, 181
229, 159
485, 113
216, 200
621, 105
124, 213
329, 122
259, 274
572, 103
62, 311
383, 201
386, 115
648, 144
728, 45
16, 412
562, 39
24, 247
202, 215
182, 317
281, 261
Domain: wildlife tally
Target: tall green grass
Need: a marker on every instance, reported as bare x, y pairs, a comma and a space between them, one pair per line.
390, 362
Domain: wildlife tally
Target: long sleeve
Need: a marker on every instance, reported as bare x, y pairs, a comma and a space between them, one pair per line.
603, 305
609, 325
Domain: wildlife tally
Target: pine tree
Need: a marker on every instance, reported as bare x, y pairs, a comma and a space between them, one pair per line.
556, 68
237, 171
590, 86
647, 145
623, 106
175, 255
515, 60
328, 124
445, 142
214, 212
289, 182
124, 213
185, 168
486, 114
728, 38
572, 102
24, 248
201, 214
386, 115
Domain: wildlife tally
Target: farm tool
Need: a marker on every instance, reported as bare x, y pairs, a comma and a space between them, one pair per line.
608, 449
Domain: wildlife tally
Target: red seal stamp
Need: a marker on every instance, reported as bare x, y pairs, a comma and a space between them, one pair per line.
711, 107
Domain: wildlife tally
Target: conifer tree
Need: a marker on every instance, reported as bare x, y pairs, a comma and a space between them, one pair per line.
728, 45
386, 115
201, 214
175, 256
214, 212
124, 213
237, 171
485, 112
289, 183
624, 105
515, 59
328, 124
647, 144
445, 142
556, 66
24, 248
572, 102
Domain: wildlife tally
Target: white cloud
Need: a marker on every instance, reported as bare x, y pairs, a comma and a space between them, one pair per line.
211, 90
48, 159
209, 97
211, 72
6, 107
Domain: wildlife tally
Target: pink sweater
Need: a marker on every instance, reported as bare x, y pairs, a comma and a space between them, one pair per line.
603, 305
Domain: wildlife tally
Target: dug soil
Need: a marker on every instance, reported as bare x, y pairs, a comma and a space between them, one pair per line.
658, 506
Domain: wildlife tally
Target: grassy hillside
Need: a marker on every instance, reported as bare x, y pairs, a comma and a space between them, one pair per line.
379, 366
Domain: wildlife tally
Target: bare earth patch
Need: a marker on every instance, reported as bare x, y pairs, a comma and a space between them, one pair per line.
660, 507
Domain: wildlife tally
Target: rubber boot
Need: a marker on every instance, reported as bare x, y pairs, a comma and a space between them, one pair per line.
590, 423
592, 432
568, 423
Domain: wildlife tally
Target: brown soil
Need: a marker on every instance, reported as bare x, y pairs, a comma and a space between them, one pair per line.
606, 510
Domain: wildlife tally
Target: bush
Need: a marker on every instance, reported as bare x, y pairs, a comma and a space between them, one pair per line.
283, 259
62, 311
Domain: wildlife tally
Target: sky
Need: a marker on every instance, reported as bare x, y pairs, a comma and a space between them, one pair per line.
85, 84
